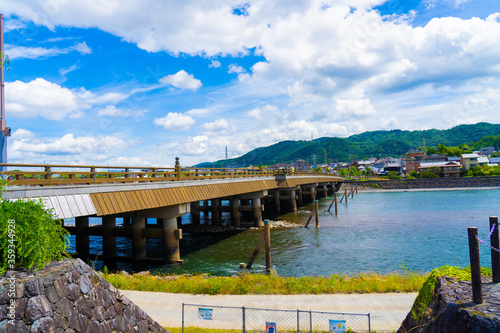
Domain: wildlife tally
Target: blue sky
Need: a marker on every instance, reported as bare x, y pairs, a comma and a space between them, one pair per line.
139, 82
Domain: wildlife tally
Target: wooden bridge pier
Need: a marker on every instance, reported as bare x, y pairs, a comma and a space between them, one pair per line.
310, 190
289, 195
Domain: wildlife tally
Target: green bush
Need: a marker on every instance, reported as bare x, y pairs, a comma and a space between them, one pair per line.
393, 175
428, 174
30, 236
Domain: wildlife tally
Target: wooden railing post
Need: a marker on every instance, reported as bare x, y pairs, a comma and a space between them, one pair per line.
475, 266
48, 173
93, 173
177, 169
495, 255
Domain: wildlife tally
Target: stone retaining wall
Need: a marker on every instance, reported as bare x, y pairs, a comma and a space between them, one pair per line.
452, 310
65, 297
432, 183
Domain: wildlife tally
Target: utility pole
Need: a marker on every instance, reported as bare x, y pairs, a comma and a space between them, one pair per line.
313, 159
4, 130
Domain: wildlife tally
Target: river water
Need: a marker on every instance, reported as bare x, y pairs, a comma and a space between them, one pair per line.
374, 232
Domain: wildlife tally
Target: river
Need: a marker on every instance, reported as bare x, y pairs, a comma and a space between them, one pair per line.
374, 232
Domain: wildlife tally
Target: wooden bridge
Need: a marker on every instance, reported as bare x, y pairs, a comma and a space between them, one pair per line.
138, 193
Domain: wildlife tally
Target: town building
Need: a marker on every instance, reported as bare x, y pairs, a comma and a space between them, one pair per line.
469, 161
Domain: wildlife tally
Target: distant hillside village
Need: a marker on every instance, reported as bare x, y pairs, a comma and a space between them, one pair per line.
416, 163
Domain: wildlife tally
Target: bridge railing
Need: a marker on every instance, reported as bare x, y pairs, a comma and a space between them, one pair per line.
56, 174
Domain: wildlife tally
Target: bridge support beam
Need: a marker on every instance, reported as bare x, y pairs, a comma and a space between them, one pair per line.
82, 236
310, 190
171, 233
108, 239
215, 211
195, 212
235, 212
138, 240
277, 203
324, 190
293, 200
299, 195
257, 206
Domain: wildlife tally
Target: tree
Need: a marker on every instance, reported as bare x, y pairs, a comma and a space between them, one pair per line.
431, 151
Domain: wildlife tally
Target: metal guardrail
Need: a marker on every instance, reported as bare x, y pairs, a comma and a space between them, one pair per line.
58, 174
250, 320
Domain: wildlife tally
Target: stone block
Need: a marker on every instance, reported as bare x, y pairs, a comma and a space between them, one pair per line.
36, 308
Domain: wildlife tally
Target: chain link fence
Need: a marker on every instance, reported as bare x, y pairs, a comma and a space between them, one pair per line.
253, 320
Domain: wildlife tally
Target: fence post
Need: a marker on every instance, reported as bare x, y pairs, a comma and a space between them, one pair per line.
369, 324
243, 308
495, 256
183, 317
311, 321
475, 266
298, 321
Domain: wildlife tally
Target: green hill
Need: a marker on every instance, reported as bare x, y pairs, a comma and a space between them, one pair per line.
366, 145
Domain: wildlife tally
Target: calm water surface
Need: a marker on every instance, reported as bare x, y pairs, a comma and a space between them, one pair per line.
378, 232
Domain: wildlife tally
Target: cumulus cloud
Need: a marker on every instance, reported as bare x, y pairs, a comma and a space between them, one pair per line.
215, 126
41, 98
357, 109
215, 64
175, 121
181, 80
333, 129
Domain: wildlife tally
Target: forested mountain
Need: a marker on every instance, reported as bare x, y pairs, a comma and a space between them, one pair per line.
366, 145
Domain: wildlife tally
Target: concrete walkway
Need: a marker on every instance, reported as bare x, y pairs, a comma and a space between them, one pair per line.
387, 310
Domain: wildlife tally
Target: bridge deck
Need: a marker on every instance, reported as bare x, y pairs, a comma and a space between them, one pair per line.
116, 198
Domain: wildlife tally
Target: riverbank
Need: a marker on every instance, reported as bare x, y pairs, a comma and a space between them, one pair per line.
430, 183
378, 190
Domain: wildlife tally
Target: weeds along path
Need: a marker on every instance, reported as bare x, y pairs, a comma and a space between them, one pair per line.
387, 310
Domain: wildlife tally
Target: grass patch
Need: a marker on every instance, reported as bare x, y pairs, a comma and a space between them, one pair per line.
256, 284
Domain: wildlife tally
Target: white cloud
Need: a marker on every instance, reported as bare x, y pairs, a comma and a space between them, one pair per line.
112, 111
215, 64
181, 80
175, 121
233, 68
67, 144
333, 129
361, 108
216, 126
255, 113
20, 52
41, 98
